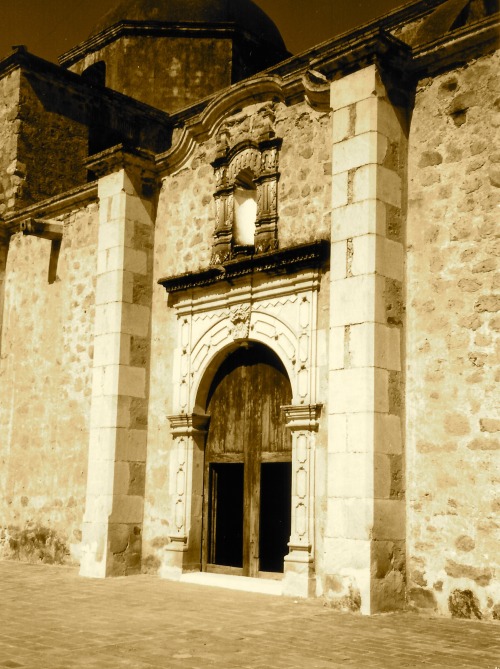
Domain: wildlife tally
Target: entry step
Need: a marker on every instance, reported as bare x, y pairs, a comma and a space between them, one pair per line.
265, 586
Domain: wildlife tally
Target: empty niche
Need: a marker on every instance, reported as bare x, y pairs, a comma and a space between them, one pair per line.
245, 209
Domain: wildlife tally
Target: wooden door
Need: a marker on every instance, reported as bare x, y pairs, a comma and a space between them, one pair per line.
247, 429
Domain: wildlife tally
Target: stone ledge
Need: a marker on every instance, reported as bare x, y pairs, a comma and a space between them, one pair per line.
284, 261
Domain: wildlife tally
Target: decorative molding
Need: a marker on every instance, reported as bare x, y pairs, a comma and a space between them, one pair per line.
258, 158
287, 260
302, 417
457, 47
302, 421
188, 431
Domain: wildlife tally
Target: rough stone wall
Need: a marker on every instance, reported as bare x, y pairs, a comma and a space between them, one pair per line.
304, 196
11, 171
45, 387
169, 73
186, 209
52, 146
453, 348
184, 235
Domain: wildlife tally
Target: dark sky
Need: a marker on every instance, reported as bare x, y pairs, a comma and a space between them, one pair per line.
50, 27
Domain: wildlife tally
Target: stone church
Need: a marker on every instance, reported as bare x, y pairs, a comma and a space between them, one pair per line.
249, 306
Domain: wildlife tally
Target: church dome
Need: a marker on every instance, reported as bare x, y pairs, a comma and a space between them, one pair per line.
244, 14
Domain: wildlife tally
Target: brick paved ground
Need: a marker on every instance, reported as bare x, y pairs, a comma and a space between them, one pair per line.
50, 618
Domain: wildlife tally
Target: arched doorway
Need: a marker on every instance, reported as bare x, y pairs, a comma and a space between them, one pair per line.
247, 472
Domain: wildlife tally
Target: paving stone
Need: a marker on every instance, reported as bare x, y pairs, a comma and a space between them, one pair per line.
50, 618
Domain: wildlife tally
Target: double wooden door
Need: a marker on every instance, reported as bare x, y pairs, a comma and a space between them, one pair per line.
247, 478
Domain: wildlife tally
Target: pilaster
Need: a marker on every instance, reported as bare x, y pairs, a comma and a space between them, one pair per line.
299, 579
184, 549
113, 517
364, 545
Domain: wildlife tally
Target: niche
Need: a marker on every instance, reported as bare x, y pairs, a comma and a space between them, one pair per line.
245, 211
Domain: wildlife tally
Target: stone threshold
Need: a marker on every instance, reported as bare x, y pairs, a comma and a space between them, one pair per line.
263, 586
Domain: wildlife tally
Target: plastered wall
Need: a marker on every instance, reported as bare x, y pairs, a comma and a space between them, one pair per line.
45, 388
453, 474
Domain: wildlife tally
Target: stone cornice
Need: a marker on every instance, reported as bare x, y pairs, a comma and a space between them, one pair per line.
199, 127
125, 157
283, 261
52, 207
457, 47
307, 76
147, 29
302, 416
188, 424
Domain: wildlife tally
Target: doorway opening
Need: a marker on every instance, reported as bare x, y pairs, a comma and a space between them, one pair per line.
247, 476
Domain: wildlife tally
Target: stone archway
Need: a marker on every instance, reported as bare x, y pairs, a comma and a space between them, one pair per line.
247, 465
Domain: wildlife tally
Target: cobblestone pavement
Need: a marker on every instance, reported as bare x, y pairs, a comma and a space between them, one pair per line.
50, 618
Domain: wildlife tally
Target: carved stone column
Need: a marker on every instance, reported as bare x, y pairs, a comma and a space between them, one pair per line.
302, 421
188, 431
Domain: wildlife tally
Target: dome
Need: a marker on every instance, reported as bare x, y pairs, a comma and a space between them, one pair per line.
245, 14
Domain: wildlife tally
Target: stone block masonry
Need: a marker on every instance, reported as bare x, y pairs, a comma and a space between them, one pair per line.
112, 529
365, 534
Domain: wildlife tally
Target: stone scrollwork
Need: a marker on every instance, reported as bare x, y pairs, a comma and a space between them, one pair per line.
302, 421
258, 161
188, 431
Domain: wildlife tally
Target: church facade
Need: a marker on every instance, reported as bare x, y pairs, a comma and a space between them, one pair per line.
249, 304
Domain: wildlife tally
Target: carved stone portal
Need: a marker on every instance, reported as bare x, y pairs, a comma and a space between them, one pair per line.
281, 313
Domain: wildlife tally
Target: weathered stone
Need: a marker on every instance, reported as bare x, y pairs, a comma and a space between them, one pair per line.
465, 543
430, 158
490, 424
482, 576
489, 303
494, 176
484, 444
422, 598
457, 424
487, 265
464, 604
469, 285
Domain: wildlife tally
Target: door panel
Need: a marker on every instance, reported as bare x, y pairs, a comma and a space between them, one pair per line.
246, 426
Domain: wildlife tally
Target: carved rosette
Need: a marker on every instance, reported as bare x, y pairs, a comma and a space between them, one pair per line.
302, 421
